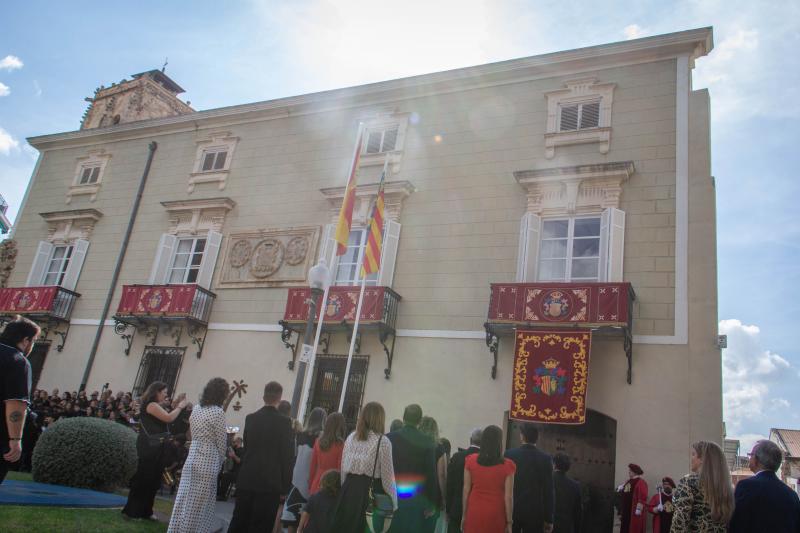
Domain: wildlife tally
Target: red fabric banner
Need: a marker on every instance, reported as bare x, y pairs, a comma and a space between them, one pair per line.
342, 304
166, 300
551, 376
27, 300
601, 304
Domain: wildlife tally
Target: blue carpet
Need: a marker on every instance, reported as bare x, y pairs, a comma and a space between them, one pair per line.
30, 493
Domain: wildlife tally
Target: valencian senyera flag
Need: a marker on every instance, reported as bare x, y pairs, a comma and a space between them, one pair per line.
346, 213
372, 252
551, 376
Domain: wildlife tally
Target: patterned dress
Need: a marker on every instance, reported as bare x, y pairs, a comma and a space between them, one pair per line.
692, 512
194, 506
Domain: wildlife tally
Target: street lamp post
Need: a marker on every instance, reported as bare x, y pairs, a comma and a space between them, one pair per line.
318, 279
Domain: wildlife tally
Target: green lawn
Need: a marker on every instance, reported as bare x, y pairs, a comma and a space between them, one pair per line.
65, 520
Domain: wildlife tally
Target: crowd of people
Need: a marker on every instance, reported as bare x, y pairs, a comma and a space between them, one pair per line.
320, 478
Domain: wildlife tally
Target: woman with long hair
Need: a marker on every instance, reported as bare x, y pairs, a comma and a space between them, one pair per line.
147, 479
429, 427
703, 500
194, 506
488, 487
328, 449
366, 464
298, 495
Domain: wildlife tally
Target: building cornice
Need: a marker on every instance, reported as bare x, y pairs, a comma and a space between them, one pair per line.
692, 43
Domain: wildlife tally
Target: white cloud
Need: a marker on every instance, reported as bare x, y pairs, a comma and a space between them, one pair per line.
7, 142
634, 31
4, 89
10, 63
749, 376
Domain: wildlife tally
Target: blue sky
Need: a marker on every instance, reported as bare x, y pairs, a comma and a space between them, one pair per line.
227, 53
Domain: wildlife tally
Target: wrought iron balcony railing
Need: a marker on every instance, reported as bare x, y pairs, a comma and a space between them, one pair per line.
149, 308
49, 306
378, 312
605, 308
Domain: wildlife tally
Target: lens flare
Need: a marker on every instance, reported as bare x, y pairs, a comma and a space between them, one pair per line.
409, 485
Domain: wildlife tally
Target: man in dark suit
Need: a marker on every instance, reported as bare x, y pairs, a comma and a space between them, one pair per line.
533, 485
455, 479
764, 502
414, 458
568, 506
266, 469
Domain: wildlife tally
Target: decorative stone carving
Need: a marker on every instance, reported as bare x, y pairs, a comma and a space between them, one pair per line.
190, 217
574, 189
8, 260
67, 226
269, 257
395, 192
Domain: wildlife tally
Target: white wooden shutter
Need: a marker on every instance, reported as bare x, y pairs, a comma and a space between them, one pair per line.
326, 247
528, 252
209, 261
616, 245
166, 248
391, 239
79, 249
43, 253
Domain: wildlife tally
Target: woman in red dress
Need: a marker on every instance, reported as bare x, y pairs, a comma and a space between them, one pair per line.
488, 487
327, 454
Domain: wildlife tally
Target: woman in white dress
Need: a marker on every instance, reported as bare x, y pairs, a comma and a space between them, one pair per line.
193, 511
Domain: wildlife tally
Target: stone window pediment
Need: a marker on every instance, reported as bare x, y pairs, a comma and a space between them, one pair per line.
395, 192
65, 227
88, 175
580, 189
579, 113
212, 161
193, 217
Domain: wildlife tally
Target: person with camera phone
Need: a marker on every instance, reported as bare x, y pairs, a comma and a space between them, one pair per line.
150, 447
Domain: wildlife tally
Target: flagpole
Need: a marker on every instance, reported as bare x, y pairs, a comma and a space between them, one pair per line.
353, 341
324, 303
360, 296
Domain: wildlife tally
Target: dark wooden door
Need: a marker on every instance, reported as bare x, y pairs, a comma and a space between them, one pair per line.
592, 449
327, 385
37, 358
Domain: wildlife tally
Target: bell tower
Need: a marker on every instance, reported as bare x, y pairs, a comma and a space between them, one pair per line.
147, 95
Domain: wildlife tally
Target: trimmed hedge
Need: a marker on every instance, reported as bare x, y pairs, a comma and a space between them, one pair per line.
89, 453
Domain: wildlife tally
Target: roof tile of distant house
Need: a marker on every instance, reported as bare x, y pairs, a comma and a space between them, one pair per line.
790, 438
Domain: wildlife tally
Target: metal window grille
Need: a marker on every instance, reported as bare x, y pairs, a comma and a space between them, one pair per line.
159, 363
327, 385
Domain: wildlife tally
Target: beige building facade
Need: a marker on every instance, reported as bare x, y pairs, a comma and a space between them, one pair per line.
584, 165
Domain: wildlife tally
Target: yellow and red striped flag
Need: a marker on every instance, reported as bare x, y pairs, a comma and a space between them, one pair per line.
372, 251
342, 235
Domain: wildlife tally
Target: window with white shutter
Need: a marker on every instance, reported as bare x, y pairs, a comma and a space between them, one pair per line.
569, 249
579, 116
612, 244
348, 268
186, 261
163, 259
528, 253
90, 174
209, 261
212, 162
381, 139
75, 264
57, 265
327, 247
40, 262
214, 159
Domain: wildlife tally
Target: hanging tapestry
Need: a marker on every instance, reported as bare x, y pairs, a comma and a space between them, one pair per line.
551, 376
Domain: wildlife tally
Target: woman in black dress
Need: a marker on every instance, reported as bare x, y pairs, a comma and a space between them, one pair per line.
147, 479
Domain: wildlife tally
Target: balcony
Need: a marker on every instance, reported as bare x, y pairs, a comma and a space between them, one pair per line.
378, 313
50, 307
171, 309
604, 308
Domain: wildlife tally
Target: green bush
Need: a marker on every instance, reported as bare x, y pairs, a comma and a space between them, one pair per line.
89, 453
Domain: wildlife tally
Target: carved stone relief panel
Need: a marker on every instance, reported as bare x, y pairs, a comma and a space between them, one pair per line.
269, 258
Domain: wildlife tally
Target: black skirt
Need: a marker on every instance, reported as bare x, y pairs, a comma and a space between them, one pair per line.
349, 514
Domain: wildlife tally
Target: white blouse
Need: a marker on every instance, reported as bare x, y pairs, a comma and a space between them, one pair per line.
358, 457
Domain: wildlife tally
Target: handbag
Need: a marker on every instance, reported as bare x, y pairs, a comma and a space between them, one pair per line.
380, 507
154, 442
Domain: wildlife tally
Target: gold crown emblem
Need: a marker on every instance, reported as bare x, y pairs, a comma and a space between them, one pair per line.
550, 364
556, 295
